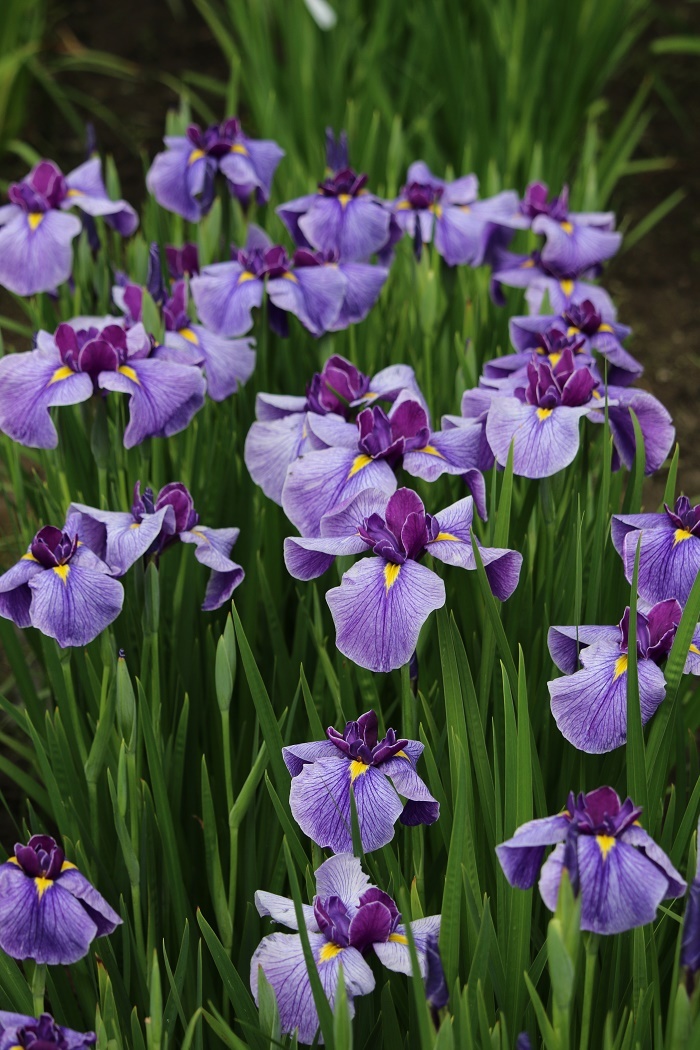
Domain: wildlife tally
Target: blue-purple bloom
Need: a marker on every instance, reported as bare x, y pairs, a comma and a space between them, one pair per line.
36, 234
669, 559
383, 601
378, 771
74, 363
182, 178
690, 940
152, 525
62, 588
348, 918
40, 1033
49, 912
617, 869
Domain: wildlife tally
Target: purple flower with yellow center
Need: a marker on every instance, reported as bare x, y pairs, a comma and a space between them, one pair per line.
49, 912
448, 213
590, 704
182, 178
669, 559
365, 454
62, 588
383, 601
342, 218
381, 774
40, 1033
349, 917
282, 433
563, 290
617, 869
152, 525
74, 363
36, 234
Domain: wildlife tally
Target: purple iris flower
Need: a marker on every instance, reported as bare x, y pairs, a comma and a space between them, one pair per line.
182, 177
281, 432
342, 218
151, 526
379, 771
617, 869
227, 363
365, 454
183, 261
563, 289
36, 234
62, 588
690, 941
348, 918
428, 208
32, 1033
383, 601
590, 704
69, 366
669, 559
49, 912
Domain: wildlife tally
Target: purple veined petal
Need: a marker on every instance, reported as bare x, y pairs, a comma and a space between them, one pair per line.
563, 293
291, 212
395, 953
164, 397
269, 449
86, 191
573, 248
419, 172
379, 610
550, 876
502, 566
462, 191
212, 548
484, 456
620, 887
124, 540
622, 524
452, 451
342, 876
281, 909
314, 294
622, 367
458, 235
590, 706
364, 283
307, 558
175, 176
43, 923
544, 440
8, 212
389, 383
104, 917
320, 481
74, 603
692, 663
252, 170
657, 427
345, 519
638, 837
269, 407
669, 561
364, 229
321, 225
521, 856
225, 296
36, 251
456, 520
421, 807
332, 431
281, 958
320, 803
15, 593
525, 330
228, 363
565, 643
297, 755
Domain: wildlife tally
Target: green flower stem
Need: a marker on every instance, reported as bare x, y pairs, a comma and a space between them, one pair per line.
38, 986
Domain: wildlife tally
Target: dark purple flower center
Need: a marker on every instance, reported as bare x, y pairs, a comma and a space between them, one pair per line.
359, 743
218, 139
554, 342
551, 385
685, 517
175, 308
182, 261
583, 316
600, 813
41, 858
51, 547
264, 262
535, 202
656, 630
344, 183
374, 921
422, 195
43, 189
178, 497
382, 437
92, 350
336, 387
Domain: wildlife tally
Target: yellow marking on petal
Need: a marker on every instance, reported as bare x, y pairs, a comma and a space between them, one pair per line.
606, 843
431, 451
290, 277
596, 394
246, 276
62, 571
358, 463
28, 557
528, 264
391, 574
328, 952
196, 154
344, 199
357, 768
555, 358
544, 413
567, 227
238, 147
13, 860
34, 218
605, 328
446, 536
567, 287
694, 649
398, 938
620, 666
401, 754
370, 395
127, 371
573, 330
75, 193
436, 209
464, 207
68, 865
135, 525
189, 335
42, 885
64, 372
680, 535
196, 532
403, 206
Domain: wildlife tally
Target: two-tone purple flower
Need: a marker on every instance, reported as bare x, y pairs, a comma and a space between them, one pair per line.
152, 525
349, 918
282, 432
563, 289
669, 558
182, 178
383, 601
61, 587
74, 363
49, 912
36, 233
380, 773
617, 869
40, 1033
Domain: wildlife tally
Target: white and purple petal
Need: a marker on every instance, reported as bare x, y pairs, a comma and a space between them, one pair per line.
521, 856
212, 548
544, 440
116, 537
228, 363
314, 294
164, 396
225, 296
15, 593
364, 283
86, 191
75, 602
36, 251
565, 643
178, 175
395, 953
42, 922
282, 910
